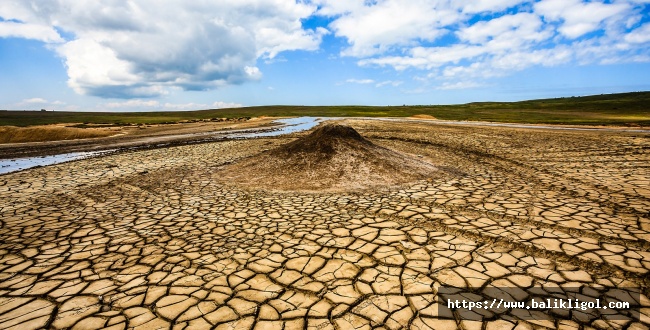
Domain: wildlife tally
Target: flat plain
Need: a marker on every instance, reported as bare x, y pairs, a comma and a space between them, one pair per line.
158, 239
620, 109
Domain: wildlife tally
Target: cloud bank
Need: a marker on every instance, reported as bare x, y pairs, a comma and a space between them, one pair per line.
458, 40
144, 48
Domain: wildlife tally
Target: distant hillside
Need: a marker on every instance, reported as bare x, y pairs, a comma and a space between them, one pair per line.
628, 109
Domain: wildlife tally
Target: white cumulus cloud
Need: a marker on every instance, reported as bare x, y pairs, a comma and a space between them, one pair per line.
29, 31
35, 100
479, 6
39, 102
455, 40
580, 17
360, 81
640, 35
393, 83
459, 85
378, 26
153, 105
142, 48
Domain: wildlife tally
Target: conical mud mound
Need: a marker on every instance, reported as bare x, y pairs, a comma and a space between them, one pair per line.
333, 157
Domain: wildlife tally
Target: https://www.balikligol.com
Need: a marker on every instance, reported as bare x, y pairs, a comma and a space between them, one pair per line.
541, 304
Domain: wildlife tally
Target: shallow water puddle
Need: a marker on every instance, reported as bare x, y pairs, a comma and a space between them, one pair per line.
19, 164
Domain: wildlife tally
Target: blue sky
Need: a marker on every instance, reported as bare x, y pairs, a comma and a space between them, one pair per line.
139, 55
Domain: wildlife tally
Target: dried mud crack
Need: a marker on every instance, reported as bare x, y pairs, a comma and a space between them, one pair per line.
231, 235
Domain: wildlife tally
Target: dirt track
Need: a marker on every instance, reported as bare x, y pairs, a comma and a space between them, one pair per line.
151, 240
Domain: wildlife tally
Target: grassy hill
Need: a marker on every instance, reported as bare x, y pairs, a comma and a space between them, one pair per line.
628, 109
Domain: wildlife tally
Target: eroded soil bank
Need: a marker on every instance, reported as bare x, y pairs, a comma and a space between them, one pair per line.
154, 239
129, 136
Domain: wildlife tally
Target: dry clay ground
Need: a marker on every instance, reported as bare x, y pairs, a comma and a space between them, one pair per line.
155, 240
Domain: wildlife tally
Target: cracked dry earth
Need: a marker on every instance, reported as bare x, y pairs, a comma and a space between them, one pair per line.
152, 240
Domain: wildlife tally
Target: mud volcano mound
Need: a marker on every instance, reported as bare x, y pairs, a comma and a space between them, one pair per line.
333, 157
324, 141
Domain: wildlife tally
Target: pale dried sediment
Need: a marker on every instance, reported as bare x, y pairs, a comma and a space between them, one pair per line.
151, 239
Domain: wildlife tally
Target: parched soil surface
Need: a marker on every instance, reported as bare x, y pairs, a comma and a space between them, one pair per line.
154, 240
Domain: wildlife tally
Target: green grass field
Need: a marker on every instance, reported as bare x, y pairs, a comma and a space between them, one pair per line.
627, 109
